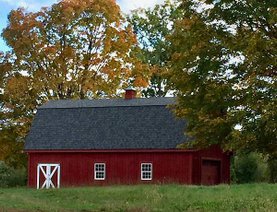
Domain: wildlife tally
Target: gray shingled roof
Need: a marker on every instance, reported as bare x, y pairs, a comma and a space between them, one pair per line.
108, 103
106, 124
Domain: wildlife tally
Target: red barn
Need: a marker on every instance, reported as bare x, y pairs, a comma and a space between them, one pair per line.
116, 141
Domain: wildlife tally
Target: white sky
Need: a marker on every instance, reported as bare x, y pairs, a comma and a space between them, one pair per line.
128, 5
29, 4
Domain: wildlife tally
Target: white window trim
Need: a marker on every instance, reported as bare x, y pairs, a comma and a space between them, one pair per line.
99, 171
141, 172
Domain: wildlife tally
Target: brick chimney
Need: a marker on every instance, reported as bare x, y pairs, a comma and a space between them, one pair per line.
130, 93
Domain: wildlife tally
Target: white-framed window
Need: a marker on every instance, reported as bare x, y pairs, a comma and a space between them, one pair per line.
99, 171
146, 171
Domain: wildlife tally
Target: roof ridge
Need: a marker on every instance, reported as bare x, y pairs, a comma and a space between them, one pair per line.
114, 102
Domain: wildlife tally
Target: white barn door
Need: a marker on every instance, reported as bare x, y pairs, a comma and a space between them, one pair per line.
48, 176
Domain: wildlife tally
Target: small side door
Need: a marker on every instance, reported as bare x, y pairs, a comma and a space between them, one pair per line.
210, 172
48, 176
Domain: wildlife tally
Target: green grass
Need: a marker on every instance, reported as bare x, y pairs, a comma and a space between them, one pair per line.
248, 197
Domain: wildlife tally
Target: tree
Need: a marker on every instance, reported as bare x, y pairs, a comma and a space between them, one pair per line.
224, 69
10, 146
152, 26
11, 149
73, 49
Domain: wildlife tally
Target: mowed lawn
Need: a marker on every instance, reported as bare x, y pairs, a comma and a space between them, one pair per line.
249, 197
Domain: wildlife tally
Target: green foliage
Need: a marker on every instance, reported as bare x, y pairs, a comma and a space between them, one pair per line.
223, 67
18, 178
246, 168
10, 177
252, 197
249, 167
152, 26
272, 165
262, 174
11, 148
5, 173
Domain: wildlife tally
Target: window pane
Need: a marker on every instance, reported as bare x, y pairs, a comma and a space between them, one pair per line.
99, 171
146, 167
146, 175
99, 167
99, 175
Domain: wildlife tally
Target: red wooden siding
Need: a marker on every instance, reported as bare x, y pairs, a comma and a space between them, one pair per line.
213, 153
123, 167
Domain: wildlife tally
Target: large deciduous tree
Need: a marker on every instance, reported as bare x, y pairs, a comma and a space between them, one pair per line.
224, 68
152, 26
73, 49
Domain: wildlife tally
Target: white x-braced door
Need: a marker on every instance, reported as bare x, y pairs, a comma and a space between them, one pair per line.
48, 176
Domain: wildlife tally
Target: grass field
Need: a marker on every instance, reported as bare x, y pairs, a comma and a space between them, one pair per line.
250, 197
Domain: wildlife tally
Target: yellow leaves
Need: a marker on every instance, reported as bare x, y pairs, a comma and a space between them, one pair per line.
17, 87
142, 75
72, 47
93, 61
187, 23
107, 45
68, 52
106, 70
140, 82
50, 50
